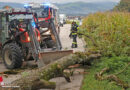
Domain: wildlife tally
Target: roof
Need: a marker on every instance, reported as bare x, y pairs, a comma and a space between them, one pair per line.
54, 6
15, 10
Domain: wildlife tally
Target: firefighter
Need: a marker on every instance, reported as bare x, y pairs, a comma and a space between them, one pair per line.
73, 34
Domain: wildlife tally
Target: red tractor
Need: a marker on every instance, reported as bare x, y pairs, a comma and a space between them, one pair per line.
19, 38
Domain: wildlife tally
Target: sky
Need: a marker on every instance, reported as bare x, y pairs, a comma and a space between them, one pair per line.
55, 1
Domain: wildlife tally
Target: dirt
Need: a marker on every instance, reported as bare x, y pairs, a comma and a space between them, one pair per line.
60, 81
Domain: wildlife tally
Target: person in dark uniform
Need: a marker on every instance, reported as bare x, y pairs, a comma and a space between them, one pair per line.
73, 34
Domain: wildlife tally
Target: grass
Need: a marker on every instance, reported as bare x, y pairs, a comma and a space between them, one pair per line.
109, 34
110, 31
90, 83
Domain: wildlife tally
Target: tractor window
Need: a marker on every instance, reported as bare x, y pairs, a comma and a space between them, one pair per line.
3, 28
45, 12
54, 12
41, 12
22, 24
20, 16
19, 20
0, 23
17, 23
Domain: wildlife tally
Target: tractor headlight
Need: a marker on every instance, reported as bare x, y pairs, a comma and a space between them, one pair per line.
38, 38
28, 39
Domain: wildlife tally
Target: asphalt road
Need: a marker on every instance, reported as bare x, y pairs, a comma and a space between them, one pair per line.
67, 42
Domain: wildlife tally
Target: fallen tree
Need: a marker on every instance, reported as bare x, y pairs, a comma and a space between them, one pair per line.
113, 77
38, 79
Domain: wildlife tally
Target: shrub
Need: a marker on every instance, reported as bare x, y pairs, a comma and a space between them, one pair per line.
110, 31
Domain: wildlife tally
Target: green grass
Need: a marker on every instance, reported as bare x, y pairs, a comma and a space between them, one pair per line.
90, 83
110, 35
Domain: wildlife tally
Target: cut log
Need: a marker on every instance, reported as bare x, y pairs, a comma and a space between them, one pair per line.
52, 70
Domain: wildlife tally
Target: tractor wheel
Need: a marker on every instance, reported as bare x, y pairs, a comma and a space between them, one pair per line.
12, 56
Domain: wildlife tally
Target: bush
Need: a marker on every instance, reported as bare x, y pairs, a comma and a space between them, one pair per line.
110, 31
124, 5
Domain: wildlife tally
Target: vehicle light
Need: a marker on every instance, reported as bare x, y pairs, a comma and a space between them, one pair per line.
38, 38
46, 5
34, 24
26, 5
28, 39
1, 81
39, 55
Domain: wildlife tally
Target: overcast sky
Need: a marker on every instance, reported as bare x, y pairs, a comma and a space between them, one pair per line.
55, 1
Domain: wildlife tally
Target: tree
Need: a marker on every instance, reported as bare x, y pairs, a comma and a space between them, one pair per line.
7, 7
124, 5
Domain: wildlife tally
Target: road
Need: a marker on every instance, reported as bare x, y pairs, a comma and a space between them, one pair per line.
76, 83
61, 83
67, 42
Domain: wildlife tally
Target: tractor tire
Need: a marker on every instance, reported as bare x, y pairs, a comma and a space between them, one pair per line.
12, 56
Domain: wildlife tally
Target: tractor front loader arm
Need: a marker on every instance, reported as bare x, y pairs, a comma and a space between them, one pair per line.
34, 44
53, 28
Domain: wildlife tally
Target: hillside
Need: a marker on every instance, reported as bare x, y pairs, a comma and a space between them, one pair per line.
76, 8
15, 5
82, 8
124, 5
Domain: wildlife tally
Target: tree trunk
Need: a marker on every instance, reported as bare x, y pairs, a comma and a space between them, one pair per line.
35, 79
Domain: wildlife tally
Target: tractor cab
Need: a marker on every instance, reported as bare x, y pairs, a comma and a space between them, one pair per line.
21, 40
16, 22
19, 37
19, 22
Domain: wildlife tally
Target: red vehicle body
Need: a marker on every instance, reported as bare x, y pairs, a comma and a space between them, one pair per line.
19, 37
45, 15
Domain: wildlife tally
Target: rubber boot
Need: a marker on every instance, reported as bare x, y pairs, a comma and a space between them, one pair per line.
73, 46
76, 45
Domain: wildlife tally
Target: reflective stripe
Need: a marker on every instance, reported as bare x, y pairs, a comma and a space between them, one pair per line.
74, 33
74, 42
